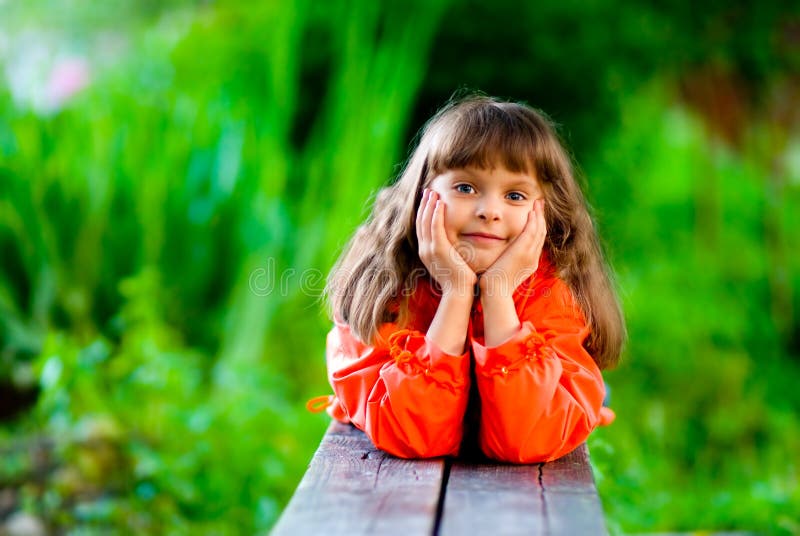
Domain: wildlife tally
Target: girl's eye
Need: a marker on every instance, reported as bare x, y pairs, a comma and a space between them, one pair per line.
516, 196
464, 188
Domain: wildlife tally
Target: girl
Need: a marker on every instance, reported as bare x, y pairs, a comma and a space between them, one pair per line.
474, 307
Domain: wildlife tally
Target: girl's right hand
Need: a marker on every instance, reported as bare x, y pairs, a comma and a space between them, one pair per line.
437, 253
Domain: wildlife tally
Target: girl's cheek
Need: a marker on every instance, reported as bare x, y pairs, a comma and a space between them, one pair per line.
521, 221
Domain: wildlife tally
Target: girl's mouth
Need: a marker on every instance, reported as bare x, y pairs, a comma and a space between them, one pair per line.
483, 237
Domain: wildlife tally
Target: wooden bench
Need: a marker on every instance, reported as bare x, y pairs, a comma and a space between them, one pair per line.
353, 488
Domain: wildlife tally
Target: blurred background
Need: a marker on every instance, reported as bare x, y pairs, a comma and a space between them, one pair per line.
177, 177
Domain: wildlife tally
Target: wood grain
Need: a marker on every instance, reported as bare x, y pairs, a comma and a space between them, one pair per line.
553, 498
494, 499
353, 488
571, 500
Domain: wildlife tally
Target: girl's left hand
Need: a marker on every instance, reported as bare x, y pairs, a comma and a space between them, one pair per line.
520, 259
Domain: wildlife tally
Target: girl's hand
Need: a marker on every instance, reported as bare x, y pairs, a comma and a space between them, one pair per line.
520, 260
437, 253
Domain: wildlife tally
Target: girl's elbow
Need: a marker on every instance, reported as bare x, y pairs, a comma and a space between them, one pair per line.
537, 447
518, 454
529, 454
411, 439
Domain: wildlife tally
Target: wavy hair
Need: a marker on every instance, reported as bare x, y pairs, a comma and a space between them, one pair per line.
378, 269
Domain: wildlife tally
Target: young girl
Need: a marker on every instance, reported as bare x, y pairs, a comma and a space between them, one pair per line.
473, 308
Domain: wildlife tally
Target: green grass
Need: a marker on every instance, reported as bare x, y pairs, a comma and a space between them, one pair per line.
135, 219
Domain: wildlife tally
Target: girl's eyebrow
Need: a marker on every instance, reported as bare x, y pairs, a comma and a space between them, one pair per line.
460, 173
528, 186
520, 184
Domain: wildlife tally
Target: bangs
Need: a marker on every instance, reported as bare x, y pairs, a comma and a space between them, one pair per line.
486, 135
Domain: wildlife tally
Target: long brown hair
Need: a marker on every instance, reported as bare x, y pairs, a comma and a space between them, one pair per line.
380, 265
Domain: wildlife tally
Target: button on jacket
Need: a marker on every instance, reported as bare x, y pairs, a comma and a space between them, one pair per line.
541, 393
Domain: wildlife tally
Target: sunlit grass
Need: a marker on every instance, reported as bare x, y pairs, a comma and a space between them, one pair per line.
136, 217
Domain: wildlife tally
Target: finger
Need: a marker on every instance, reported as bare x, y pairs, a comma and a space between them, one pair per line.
438, 233
420, 211
540, 217
425, 224
430, 215
528, 234
529, 238
541, 231
535, 223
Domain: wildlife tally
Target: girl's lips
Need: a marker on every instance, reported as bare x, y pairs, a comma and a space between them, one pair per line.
483, 237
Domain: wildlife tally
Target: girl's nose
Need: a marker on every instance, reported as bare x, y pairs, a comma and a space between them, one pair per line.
488, 209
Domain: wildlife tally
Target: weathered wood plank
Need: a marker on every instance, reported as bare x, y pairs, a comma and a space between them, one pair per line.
571, 473
541, 499
571, 500
489, 498
353, 488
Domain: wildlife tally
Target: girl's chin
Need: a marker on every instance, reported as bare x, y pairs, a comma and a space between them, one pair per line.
479, 259
480, 267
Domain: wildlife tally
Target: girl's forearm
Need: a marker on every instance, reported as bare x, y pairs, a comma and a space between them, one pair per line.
500, 319
448, 330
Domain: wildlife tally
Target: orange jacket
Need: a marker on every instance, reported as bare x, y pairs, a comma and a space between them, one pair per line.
541, 393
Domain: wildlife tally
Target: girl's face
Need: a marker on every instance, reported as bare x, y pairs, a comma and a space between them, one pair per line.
485, 210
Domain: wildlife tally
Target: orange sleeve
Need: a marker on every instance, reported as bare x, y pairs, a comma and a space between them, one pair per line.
541, 392
408, 396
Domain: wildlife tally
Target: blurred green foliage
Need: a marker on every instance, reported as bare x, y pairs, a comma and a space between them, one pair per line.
164, 233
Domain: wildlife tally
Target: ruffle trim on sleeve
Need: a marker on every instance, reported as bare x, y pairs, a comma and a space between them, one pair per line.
397, 346
514, 355
536, 345
415, 355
